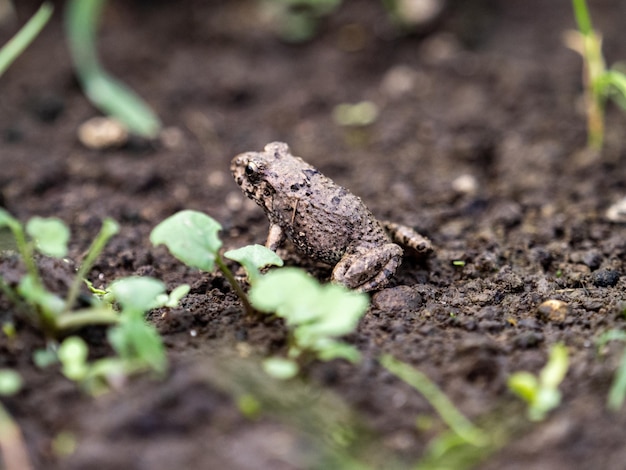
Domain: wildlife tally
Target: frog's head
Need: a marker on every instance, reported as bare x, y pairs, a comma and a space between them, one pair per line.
256, 172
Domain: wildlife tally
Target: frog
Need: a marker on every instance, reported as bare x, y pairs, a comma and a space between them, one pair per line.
322, 219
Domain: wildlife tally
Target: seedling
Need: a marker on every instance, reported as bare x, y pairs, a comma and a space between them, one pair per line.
600, 83
106, 93
14, 48
463, 430
541, 392
137, 343
617, 393
51, 313
314, 314
191, 237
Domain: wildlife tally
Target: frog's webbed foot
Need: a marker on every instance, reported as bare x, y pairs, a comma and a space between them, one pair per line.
368, 268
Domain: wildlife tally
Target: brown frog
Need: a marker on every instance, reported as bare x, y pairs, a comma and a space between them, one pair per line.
322, 219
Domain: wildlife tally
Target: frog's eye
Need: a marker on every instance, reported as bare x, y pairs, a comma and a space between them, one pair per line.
251, 168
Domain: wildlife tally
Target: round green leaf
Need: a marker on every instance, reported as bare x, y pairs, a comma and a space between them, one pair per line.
191, 237
10, 382
280, 368
137, 294
50, 234
290, 293
253, 258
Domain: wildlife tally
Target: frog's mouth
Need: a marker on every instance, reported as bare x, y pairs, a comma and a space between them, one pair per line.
247, 172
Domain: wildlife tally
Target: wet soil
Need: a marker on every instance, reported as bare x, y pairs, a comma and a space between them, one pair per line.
488, 94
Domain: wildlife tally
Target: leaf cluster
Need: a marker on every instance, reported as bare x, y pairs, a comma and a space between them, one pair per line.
541, 392
47, 310
137, 343
314, 314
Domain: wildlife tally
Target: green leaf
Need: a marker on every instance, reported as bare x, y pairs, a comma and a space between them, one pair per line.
12, 50
525, 385
290, 293
330, 349
173, 299
37, 295
191, 237
73, 354
555, 370
280, 368
104, 91
253, 258
137, 341
137, 294
10, 382
7, 220
581, 12
50, 235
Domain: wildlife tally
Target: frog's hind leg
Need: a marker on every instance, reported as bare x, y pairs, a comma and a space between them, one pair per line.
368, 268
409, 238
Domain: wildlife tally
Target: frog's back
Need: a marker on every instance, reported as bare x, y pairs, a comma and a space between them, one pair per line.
330, 219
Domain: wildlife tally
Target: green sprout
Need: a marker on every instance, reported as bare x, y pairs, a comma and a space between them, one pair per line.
297, 20
51, 313
138, 345
191, 237
463, 430
14, 48
541, 392
600, 83
106, 93
617, 393
314, 314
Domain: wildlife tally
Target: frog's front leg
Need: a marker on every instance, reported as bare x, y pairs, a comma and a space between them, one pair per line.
368, 268
275, 237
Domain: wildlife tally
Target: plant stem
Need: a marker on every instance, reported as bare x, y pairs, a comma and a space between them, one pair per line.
12, 445
81, 318
458, 423
235, 285
109, 228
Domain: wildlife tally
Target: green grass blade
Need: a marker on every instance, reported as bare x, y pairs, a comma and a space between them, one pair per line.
455, 420
24, 37
106, 93
582, 16
617, 393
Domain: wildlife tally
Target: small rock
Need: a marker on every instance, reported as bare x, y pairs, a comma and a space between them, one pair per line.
397, 299
398, 81
605, 278
465, 184
419, 12
100, 133
554, 310
617, 212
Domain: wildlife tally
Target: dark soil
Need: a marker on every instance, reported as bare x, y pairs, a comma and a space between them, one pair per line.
491, 92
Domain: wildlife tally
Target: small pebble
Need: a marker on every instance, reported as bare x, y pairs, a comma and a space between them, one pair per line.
554, 310
397, 299
465, 184
398, 81
617, 212
419, 12
605, 278
100, 133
